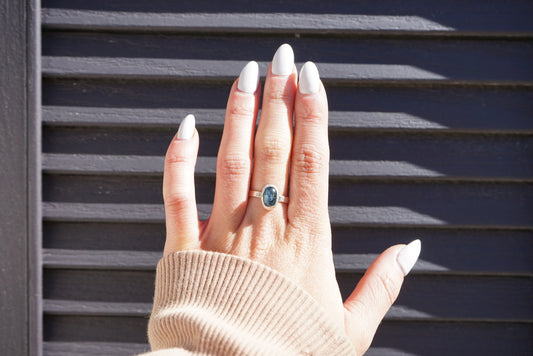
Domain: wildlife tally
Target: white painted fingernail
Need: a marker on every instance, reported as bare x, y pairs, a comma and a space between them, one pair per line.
408, 256
186, 129
283, 61
309, 79
249, 78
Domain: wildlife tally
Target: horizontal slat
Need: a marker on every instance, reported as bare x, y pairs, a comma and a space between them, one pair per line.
75, 307
481, 250
288, 22
150, 213
99, 285
394, 107
147, 260
214, 118
472, 59
90, 308
223, 22
228, 70
122, 329
90, 259
168, 69
153, 165
436, 296
442, 339
57, 348
376, 202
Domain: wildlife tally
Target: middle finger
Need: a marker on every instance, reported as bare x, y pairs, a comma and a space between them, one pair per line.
273, 140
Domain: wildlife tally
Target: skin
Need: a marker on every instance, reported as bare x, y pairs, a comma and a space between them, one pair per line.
294, 238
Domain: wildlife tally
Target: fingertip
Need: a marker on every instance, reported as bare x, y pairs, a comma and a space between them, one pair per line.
408, 256
309, 79
249, 78
187, 128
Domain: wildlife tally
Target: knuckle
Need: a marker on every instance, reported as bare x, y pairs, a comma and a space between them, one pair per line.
311, 114
309, 161
240, 111
177, 203
178, 158
234, 166
279, 94
273, 150
388, 287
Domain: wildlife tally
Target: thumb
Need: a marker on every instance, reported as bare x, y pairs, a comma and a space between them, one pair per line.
376, 292
181, 215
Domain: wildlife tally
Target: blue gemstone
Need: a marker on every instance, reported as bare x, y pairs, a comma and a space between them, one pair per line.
270, 196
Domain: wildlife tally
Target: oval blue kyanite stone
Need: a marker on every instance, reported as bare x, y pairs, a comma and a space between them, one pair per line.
270, 196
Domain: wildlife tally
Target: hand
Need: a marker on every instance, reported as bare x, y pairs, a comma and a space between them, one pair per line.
293, 238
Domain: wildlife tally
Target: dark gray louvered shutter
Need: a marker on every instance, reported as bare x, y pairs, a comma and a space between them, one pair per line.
431, 137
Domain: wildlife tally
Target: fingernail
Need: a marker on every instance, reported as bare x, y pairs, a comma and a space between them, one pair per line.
186, 129
309, 79
283, 61
408, 256
249, 78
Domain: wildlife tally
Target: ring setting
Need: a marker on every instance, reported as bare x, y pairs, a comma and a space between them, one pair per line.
270, 196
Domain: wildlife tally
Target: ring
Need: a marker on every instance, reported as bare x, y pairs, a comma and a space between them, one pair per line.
269, 196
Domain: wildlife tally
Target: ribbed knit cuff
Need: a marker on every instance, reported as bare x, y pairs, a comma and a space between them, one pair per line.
217, 304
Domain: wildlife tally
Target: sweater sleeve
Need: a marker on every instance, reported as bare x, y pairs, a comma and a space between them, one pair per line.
209, 303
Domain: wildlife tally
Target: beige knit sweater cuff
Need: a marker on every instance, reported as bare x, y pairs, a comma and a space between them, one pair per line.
210, 303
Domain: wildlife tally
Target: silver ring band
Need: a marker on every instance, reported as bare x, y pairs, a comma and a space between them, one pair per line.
269, 196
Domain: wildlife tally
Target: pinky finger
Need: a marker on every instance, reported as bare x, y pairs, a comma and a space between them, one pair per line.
181, 215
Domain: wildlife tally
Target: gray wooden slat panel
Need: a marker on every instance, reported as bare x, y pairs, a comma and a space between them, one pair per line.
104, 236
482, 250
503, 162
475, 15
151, 213
57, 348
467, 338
169, 69
197, 69
424, 296
424, 202
438, 155
89, 308
147, 260
272, 22
461, 59
243, 22
83, 328
443, 338
74, 307
80, 164
214, 118
444, 107
112, 286
436, 296
108, 122
128, 260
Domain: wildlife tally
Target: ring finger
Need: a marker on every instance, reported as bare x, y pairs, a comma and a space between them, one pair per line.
273, 140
